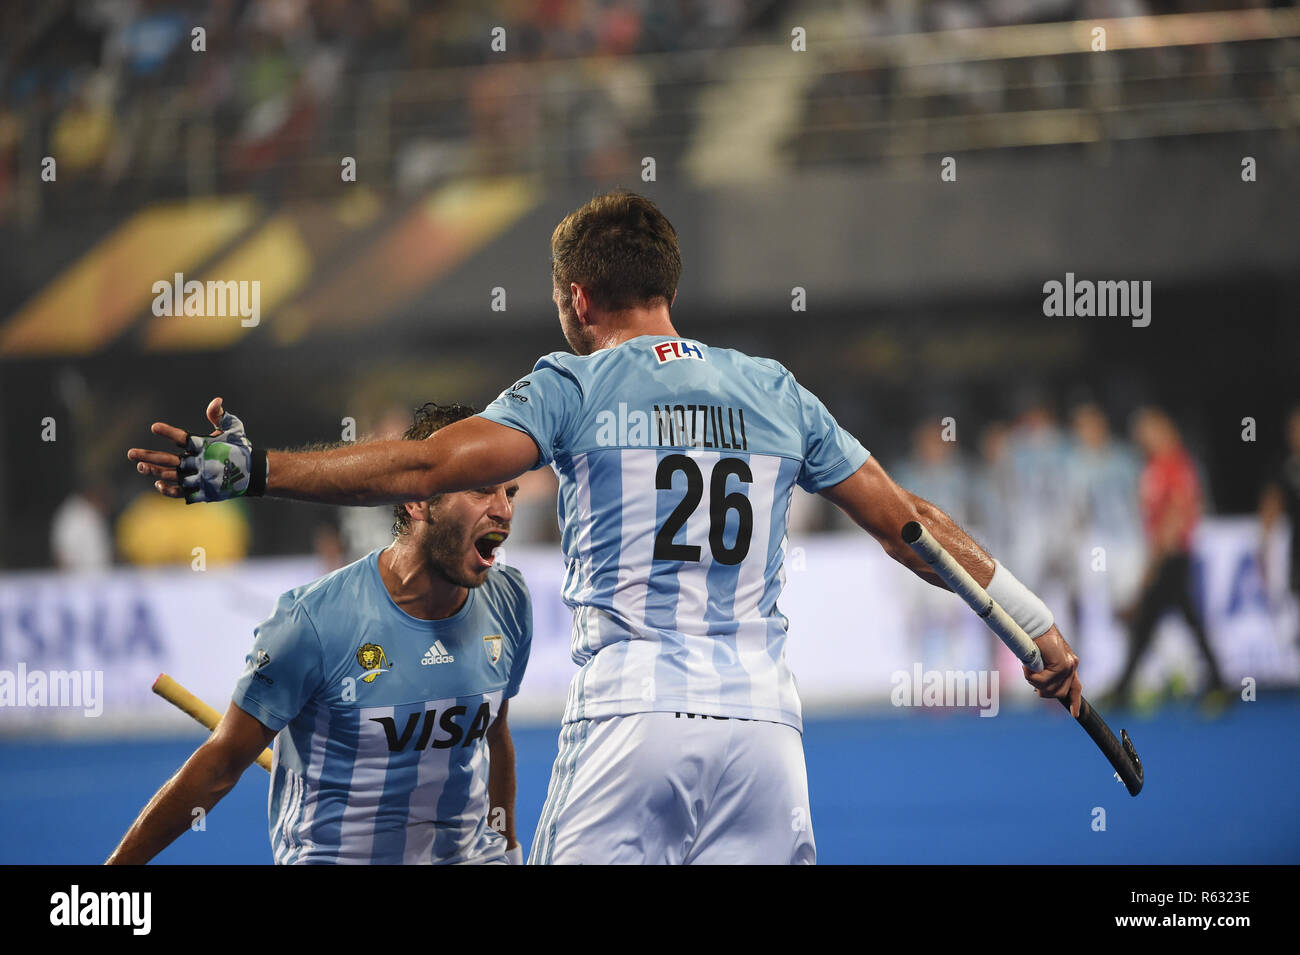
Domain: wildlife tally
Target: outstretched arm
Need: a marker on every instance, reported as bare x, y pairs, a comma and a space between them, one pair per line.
880, 507
471, 453
467, 454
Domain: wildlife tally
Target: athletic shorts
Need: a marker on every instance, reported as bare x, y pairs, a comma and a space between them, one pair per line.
673, 789
489, 850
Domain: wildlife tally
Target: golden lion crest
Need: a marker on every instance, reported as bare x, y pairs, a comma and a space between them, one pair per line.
371, 657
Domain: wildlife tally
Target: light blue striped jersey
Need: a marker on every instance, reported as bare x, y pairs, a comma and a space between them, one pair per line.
381, 756
676, 464
1104, 483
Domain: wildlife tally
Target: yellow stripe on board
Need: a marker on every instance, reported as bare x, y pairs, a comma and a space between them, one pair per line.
439, 233
480, 209
96, 299
276, 257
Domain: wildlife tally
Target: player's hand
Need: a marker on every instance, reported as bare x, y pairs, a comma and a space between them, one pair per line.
221, 466
1060, 674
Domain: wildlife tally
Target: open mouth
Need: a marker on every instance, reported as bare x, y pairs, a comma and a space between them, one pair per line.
487, 545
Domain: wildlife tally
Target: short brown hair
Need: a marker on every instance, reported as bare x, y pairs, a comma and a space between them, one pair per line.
619, 247
429, 417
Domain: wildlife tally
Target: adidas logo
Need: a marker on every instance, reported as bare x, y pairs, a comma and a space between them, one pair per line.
230, 475
436, 654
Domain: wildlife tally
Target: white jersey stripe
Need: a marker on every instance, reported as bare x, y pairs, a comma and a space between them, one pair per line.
320, 733
751, 630
583, 481
632, 586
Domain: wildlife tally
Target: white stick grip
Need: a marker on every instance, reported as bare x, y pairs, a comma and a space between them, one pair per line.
964, 585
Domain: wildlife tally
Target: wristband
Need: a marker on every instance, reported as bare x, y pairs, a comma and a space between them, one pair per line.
259, 471
1020, 603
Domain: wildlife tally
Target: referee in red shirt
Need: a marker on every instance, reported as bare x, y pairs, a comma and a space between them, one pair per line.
1170, 500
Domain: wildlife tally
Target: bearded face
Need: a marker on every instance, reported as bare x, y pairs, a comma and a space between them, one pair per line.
460, 538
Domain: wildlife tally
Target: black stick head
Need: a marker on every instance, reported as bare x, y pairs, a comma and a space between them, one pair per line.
1134, 786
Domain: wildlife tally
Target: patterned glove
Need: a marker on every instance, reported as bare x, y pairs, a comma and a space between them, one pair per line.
223, 466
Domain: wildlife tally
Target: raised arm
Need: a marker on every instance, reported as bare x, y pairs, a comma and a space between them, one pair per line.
471, 453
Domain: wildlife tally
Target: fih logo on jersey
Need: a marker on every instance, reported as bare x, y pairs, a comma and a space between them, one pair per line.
678, 348
436, 654
371, 657
492, 647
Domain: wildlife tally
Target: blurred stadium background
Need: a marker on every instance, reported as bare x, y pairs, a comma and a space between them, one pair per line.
427, 277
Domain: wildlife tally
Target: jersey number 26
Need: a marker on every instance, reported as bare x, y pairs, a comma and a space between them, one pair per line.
720, 502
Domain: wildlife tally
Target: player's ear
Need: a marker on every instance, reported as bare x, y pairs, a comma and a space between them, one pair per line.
580, 303
417, 510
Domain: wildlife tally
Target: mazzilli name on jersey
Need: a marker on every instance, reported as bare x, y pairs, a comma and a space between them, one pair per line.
674, 426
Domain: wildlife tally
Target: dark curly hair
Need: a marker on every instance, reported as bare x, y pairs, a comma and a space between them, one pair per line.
429, 417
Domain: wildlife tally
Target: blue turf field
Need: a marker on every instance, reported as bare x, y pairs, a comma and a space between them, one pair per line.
894, 787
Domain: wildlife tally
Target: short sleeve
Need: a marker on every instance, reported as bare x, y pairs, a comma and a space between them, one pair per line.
830, 454
520, 662
544, 405
283, 670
